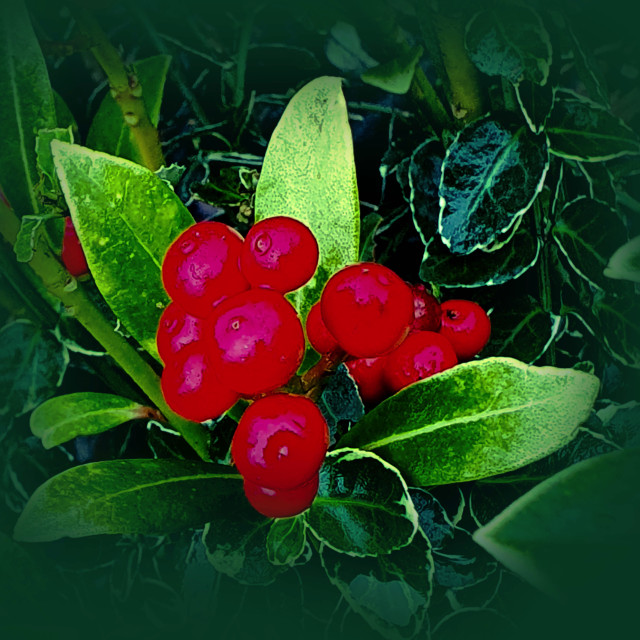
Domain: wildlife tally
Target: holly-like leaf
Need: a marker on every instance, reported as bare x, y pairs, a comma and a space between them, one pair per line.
309, 174
81, 414
624, 264
583, 130
490, 177
286, 540
535, 102
510, 41
126, 218
394, 76
478, 419
363, 507
125, 496
424, 174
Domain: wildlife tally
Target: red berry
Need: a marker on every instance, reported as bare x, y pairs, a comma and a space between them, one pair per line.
200, 268
73, 256
191, 388
317, 333
426, 310
279, 253
176, 329
369, 376
467, 327
421, 355
367, 308
281, 503
280, 441
257, 342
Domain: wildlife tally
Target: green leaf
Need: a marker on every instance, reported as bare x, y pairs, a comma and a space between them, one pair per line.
588, 232
394, 76
309, 174
548, 536
286, 540
535, 102
32, 365
425, 173
344, 49
600, 181
362, 507
588, 71
64, 117
28, 235
618, 326
51, 185
126, 218
391, 591
624, 264
583, 130
108, 131
368, 230
26, 106
125, 496
476, 420
490, 177
81, 414
236, 541
510, 41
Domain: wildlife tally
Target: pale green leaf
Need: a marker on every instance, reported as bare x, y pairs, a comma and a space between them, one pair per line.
286, 540
624, 264
396, 75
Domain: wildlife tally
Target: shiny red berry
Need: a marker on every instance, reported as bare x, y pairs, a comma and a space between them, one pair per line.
73, 256
367, 308
421, 355
279, 253
280, 441
256, 339
176, 330
426, 310
200, 268
369, 376
191, 388
467, 327
317, 333
281, 503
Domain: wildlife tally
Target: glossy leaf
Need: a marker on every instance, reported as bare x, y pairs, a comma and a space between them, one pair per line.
126, 218
26, 105
390, 591
546, 535
425, 172
309, 174
624, 264
535, 102
81, 414
583, 130
32, 365
510, 41
362, 507
394, 76
286, 540
108, 131
490, 177
478, 419
125, 496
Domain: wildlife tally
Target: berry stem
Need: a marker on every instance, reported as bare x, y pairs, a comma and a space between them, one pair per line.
327, 362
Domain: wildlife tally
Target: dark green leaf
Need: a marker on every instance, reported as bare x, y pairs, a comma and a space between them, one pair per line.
618, 326
432, 518
490, 177
108, 131
64, 117
368, 229
309, 174
32, 365
588, 71
26, 106
588, 232
583, 130
535, 102
477, 419
624, 264
126, 218
286, 540
424, 174
344, 49
510, 41
600, 182
362, 507
51, 185
81, 414
391, 591
125, 496
394, 76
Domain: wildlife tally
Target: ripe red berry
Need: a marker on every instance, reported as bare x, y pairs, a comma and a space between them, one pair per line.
280, 441
281, 503
279, 253
191, 388
367, 308
176, 329
369, 376
317, 333
467, 327
200, 268
421, 355
256, 339
426, 310
73, 256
